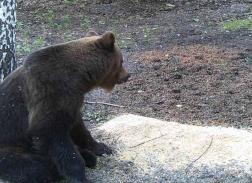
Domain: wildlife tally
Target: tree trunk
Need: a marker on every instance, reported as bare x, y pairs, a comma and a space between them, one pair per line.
7, 37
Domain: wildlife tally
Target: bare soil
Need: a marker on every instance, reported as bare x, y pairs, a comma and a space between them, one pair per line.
184, 66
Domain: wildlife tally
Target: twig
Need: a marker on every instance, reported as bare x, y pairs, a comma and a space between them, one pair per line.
104, 103
210, 144
148, 141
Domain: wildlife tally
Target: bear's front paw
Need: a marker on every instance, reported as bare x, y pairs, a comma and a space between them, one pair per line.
99, 149
70, 180
77, 181
89, 157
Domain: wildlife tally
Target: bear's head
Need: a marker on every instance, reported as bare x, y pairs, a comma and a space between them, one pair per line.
115, 72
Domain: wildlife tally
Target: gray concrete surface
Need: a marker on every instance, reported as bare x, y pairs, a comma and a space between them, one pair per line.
154, 151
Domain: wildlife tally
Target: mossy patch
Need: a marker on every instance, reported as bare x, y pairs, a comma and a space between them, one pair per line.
237, 24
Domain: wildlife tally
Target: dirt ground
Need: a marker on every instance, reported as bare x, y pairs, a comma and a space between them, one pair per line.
185, 67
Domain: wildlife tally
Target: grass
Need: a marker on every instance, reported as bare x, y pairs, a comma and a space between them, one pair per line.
25, 46
86, 23
98, 116
50, 18
237, 24
57, 23
149, 31
146, 32
69, 2
122, 43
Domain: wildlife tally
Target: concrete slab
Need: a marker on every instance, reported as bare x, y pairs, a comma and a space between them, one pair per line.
151, 150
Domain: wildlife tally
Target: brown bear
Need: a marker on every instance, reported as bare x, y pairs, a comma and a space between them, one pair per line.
42, 136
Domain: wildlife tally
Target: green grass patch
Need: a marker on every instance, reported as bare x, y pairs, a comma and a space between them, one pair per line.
26, 43
86, 23
57, 23
26, 46
96, 117
70, 2
237, 24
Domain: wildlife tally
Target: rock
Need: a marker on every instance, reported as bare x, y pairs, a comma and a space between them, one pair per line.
151, 150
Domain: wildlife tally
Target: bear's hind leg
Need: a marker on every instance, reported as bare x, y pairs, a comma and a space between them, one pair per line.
16, 167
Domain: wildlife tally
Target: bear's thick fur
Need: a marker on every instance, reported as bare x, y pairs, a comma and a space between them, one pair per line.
42, 136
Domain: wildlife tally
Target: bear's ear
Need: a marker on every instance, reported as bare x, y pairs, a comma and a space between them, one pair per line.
91, 33
107, 40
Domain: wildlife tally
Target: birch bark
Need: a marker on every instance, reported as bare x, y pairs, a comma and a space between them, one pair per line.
7, 37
